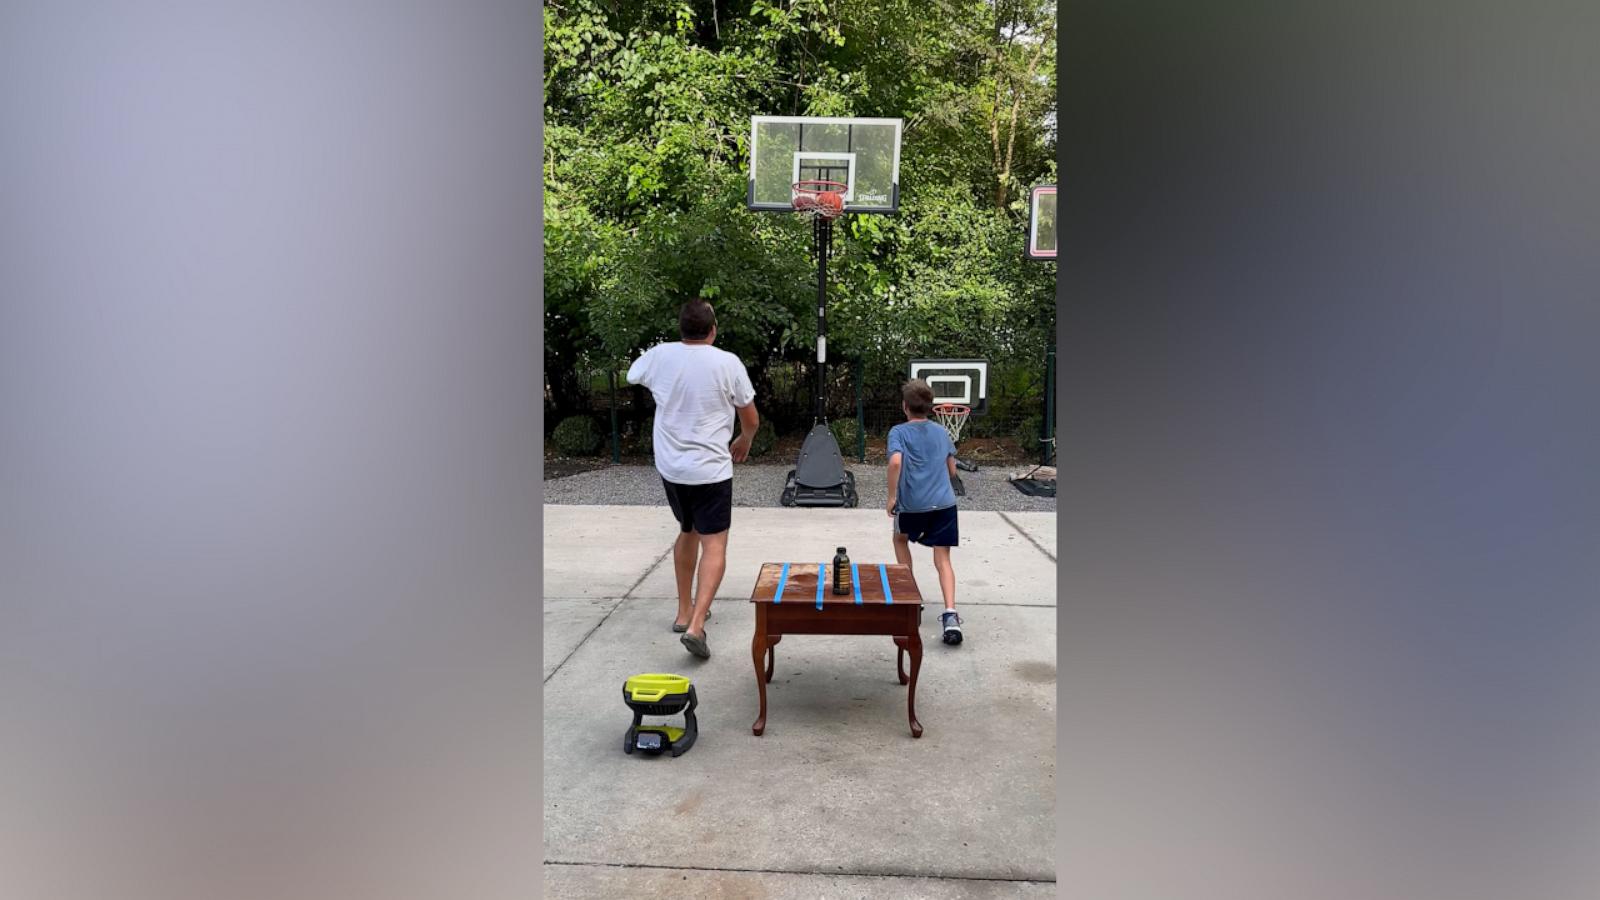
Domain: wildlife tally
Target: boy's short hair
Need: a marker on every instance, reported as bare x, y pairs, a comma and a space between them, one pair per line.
918, 397
696, 320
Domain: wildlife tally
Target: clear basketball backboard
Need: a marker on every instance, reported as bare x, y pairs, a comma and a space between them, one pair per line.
862, 154
1042, 222
963, 381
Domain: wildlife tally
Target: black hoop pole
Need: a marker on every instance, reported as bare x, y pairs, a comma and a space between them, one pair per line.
823, 230
1047, 425
616, 437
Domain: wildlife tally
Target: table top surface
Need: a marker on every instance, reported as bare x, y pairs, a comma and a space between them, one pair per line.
871, 584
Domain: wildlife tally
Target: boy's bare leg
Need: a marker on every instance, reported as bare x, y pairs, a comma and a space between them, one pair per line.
685, 553
947, 575
902, 550
713, 562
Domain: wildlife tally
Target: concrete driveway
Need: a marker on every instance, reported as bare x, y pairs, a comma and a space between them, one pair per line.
837, 799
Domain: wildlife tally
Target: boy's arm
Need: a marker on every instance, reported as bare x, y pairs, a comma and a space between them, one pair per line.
896, 450
894, 481
950, 464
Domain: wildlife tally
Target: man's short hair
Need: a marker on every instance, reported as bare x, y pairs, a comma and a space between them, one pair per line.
918, 397
696, 320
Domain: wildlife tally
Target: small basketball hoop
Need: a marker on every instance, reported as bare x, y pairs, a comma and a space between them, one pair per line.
952, 416
820, 199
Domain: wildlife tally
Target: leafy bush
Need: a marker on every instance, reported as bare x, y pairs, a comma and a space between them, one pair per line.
982, 426
577, 436
645, 186
845, 432
766, 437
645, 441
1027, 433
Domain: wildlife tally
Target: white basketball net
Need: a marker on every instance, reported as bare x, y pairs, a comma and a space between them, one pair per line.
818, 199
952, 416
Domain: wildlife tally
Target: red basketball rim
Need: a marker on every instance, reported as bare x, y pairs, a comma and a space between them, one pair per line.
820, 187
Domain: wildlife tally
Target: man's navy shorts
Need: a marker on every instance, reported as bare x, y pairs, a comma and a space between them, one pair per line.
703, 508
934, 528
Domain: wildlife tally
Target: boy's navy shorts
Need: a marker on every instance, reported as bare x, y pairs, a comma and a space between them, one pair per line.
934, 528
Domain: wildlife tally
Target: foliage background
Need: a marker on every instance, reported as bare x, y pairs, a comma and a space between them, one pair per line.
648, 106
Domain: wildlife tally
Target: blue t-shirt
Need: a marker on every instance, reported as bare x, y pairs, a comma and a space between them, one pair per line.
924, 447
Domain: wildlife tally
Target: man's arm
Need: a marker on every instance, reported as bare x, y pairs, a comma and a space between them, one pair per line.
637, 371
743, 395
748, 422
894, 481
950, 464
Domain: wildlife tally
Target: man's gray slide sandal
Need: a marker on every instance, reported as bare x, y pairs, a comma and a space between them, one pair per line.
680, 629
696, 645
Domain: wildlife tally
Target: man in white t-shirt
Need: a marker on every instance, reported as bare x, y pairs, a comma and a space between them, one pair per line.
698, 390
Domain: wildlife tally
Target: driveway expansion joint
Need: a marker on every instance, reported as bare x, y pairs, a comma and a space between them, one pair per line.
838, 873
1026, 536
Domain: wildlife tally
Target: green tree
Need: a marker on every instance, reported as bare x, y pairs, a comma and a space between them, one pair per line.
647, 115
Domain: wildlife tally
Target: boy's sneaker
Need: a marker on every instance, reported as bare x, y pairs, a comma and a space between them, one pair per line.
952, 627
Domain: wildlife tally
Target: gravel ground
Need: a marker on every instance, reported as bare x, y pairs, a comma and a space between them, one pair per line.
761, 485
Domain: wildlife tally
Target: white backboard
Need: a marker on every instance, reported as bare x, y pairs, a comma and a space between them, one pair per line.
1042, 222
963, 381
862, 154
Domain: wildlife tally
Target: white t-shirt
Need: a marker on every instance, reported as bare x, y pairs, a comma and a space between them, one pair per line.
697, 388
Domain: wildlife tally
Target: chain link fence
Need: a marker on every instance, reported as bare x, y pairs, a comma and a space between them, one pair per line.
610, 419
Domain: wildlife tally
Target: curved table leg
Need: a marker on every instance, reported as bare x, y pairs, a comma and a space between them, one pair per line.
914, 647
900, 660
758, 652
772, 656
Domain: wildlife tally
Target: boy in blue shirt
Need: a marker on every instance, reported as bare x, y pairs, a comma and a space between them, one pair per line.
922, 460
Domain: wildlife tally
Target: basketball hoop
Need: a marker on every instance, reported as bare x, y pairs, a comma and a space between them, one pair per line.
820, 199
952, 416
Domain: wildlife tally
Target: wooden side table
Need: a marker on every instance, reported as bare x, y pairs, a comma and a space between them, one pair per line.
798, 598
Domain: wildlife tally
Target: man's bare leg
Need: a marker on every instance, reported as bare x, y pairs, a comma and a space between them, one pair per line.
947, 575
685, 553
713, 562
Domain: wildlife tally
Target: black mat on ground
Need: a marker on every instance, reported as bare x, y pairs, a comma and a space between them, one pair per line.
1035, 488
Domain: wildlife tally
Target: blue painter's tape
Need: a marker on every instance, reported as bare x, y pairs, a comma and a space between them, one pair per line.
888, 596
855, 581
783, 577
822, 578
